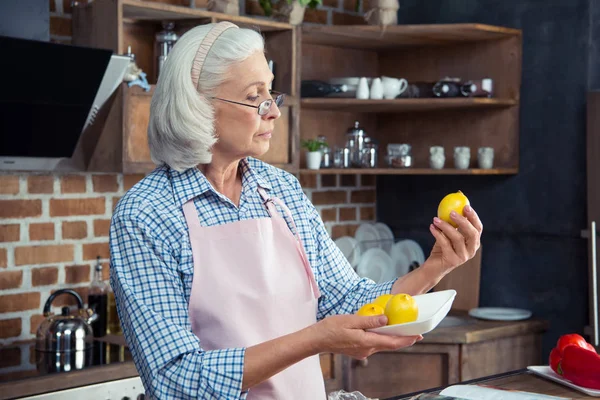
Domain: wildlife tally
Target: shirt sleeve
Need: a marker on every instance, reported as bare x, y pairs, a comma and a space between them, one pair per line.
153, 311
342, 290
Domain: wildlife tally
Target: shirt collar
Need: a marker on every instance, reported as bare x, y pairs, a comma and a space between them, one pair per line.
192, 182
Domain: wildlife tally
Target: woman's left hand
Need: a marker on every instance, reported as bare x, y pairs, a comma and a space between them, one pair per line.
453, 247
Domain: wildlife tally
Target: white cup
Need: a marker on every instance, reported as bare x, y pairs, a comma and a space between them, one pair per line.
437, 158
376, 89
362, 91
393, 87
462, 157
485, 157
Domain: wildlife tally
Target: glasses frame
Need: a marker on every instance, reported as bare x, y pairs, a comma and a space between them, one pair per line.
277, 99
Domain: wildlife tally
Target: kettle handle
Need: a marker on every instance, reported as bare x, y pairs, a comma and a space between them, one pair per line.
58, 293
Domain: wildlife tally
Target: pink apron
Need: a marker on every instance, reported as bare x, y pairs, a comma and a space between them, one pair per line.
253, 283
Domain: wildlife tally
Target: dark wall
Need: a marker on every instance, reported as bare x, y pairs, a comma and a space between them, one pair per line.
533, 256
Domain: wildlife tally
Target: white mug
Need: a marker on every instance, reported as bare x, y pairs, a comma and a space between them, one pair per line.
485, 157
362, 91
393, 87
376, 89
436, 157
462, 157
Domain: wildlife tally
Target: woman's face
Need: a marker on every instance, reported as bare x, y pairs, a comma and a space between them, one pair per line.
241, 132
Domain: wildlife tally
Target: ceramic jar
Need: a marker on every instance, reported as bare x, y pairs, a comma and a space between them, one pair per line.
485, 157
462, 157
437, 158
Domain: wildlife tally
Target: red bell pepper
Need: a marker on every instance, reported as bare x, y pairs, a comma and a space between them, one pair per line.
563, 342
581, 366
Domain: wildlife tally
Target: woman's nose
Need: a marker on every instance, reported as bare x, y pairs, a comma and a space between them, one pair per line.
273, 113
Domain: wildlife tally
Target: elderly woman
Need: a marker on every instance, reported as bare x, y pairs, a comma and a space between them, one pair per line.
226, 281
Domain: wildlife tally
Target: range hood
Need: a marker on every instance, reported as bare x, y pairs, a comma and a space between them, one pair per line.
51, 94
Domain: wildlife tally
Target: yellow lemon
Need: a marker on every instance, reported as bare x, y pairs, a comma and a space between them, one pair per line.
370, 309
452, 202
401, 308
383, 300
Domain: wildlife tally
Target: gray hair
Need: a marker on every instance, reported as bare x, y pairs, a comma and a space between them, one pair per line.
181, 130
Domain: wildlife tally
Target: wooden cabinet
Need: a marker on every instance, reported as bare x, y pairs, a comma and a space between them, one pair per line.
418, 53
116, 24
447, 356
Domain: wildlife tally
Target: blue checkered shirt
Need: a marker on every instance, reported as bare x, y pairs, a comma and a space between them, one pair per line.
152, 271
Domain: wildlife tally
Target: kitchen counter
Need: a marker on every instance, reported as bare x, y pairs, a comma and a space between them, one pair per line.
20, 377
515, 380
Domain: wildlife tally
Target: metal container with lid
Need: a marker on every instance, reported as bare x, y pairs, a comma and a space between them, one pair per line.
355, 140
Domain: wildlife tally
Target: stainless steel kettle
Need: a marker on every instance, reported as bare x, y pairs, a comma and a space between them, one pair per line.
65, 332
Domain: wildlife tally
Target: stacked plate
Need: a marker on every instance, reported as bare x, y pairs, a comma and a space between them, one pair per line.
374, 253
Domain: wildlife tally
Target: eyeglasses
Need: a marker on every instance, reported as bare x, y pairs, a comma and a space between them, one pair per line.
263, 107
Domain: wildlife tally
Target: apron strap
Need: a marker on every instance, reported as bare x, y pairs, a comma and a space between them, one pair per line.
191, 215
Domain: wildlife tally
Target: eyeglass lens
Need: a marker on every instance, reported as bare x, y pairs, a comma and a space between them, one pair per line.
265, 106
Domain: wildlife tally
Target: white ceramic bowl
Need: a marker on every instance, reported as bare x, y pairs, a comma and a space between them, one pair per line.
433, 307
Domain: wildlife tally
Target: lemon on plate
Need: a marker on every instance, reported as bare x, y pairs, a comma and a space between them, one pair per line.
401, 308
370, 309
383, 300
452, 202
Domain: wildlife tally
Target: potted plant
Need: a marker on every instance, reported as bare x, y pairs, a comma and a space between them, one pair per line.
313, 155
291, 11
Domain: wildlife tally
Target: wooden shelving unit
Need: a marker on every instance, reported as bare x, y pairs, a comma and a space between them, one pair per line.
418, 53
409, 171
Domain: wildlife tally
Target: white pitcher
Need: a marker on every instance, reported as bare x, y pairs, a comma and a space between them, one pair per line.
393, 87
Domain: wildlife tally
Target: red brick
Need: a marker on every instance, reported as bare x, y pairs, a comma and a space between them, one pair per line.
68, 300
19, 302
10, 357
74, 230
348, 181
72, 184
105, 183
367, 213
315, 15
69, 207
350, 5
308, 181
30, 255
367, 180
11, 279
363, 196
343, 230
20, 208
93, 250
331, 3
329, 197
60, 26
328, 181
347, 19
9, 184
329, 214
115, 201
3, 258
130, 180
101, 227
44, 276
35, 321
44, 231
10, 233
10, 328
105, 271
77, 273
348, 214
40, 184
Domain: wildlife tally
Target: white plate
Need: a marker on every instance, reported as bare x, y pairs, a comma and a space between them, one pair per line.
546, 372
385, 235
367, 236
418, 253
500, 313
350, 248
376, 265
401, 259
433, 307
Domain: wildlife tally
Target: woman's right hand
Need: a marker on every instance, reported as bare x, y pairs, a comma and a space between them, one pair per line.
346, 334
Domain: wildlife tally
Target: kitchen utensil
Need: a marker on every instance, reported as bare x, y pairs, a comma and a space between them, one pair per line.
545, 371
433, 307
351, 84
485, 157
447, 87
355, 140
376, 90
66, 339
164, 42
369, 156
350, 249
500, 313
362, 91
437, 158
376, 265
399, 155
462, 157
477, 88
367, 236
393, 87
326, 160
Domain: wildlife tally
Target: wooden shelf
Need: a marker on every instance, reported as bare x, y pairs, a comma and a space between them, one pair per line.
403, 105
410, 171
372, 37
146, 11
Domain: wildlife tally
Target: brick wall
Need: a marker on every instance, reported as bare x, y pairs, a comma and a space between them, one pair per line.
52, 227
